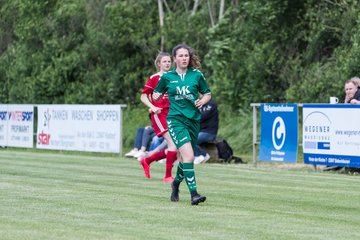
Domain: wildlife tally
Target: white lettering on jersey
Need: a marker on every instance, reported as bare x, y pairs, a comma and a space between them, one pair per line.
184, 90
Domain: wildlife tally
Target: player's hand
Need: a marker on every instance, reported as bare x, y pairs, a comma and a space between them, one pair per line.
156, 96
354, 101
199, 103
156, 110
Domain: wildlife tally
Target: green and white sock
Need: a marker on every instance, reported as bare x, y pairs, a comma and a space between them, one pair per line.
189, 175
179, 173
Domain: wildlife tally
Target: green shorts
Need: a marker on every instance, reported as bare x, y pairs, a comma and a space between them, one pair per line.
183, 130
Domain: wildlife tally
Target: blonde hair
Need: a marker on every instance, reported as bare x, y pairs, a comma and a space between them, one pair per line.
159, 57
354, 80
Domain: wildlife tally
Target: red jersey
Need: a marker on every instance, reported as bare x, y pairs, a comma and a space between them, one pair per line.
149, 88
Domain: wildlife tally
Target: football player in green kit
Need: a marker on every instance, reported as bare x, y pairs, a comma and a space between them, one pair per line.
187, 91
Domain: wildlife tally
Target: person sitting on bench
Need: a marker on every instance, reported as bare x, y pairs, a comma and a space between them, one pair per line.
209, 126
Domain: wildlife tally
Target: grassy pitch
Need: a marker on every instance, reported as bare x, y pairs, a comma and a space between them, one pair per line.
69, 196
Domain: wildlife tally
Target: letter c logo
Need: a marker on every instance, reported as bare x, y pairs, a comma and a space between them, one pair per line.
278, 133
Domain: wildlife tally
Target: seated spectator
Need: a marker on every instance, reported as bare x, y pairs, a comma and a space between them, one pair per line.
156, 144
161, 146
209, 126
352, 91
145, 140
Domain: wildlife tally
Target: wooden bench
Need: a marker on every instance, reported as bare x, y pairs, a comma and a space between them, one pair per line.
211, 149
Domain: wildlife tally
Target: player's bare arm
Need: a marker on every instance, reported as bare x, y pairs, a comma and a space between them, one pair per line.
203, 100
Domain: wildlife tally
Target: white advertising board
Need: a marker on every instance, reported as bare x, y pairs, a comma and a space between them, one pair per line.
331, 134
90, 128
16, 125
3, 124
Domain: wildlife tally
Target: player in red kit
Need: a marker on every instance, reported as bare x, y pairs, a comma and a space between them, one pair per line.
159, 110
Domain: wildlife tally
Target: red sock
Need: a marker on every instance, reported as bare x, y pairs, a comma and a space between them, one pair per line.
170, 159
155, 157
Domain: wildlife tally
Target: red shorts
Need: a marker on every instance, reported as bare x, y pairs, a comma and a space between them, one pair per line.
159, 122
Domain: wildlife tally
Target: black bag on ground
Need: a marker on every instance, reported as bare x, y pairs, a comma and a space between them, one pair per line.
225, 152
237, 159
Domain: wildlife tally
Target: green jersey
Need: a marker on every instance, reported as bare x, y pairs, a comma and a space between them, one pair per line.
183, 90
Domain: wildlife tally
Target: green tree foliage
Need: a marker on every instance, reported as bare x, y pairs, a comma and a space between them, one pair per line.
331, 53
250, 50
78, 51
102, 51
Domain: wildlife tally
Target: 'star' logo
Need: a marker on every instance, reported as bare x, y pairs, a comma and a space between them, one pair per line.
43, 138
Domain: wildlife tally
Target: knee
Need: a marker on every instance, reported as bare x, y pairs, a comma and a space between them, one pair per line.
188, 159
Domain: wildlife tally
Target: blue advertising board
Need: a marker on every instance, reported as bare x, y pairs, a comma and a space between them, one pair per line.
279, 133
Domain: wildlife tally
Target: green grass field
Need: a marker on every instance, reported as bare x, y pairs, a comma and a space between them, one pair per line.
67, 196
